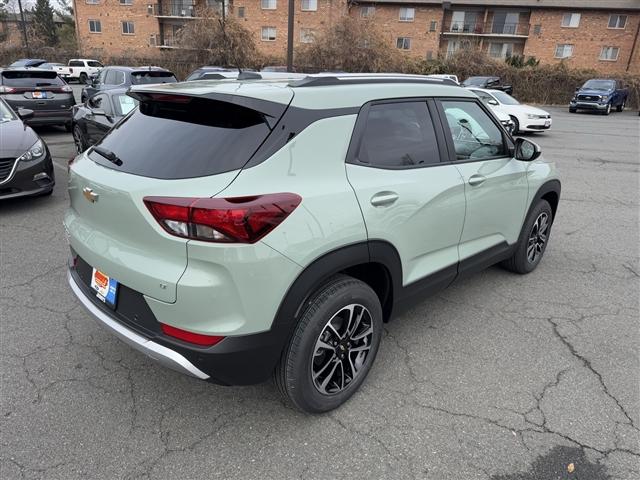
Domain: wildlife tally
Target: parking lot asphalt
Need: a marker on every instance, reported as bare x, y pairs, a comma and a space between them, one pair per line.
498, 377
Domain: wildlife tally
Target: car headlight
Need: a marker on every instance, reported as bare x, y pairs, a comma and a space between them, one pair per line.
604, 98
34, 153
531, 116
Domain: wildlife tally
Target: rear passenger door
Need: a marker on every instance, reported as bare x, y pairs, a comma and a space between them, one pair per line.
407, 197
495, 183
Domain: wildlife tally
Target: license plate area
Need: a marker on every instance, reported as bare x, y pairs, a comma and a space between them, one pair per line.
38, 94
106, 288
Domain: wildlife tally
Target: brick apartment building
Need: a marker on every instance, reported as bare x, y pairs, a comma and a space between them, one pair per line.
599, 34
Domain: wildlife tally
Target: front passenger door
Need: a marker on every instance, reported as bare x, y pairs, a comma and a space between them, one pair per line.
495, 183
407, 197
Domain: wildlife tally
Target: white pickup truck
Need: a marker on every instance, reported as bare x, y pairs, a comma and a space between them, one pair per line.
80, 69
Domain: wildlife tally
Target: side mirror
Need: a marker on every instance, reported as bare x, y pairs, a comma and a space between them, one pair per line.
493, 102
25, 113
526, 150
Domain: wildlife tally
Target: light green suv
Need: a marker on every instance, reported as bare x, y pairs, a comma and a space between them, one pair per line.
238, 229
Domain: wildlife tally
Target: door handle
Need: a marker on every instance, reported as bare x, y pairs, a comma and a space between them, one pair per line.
476, 180
384, 199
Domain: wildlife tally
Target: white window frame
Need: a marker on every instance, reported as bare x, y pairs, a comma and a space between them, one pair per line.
367, 11
405, 41
126, 3
571, 16
619, 16
92, 2
97, 22
268, 30
128, 22
307, 35
433, 26
564, 49
604, 49
268, 4
312, 5
504, 49
406, 11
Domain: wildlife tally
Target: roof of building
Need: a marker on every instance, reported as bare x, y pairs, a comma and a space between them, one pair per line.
564, 4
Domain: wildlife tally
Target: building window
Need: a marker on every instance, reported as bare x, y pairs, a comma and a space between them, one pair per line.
126, 2
93, 2
571, 20
128, 28
95, 26
268, 4
429, 55
403, 43
537, 29
564, 51
433, 26
500, 50
309, 5
240, 12
306, 35
609, 53
268, 34
366, 12
153, 40
617, 21
407, 14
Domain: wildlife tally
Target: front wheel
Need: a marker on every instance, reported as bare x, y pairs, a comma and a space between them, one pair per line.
608, 110
516, 126
533, 240
620, 107
572, 110
333, 346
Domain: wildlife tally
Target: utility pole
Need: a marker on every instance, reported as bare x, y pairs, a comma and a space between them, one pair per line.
292, 9
24, 28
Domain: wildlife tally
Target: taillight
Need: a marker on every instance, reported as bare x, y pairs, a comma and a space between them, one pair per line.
63, 89
4, 89
224, 220
190, 337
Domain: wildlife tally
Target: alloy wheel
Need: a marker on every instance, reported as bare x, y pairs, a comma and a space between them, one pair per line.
342, 349
77, 139
538, 238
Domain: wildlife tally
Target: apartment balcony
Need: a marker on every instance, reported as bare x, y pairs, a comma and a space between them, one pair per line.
175, 10
488, 29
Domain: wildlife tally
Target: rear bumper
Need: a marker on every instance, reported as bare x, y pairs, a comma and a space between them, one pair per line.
51, 117
157, 352
236, 360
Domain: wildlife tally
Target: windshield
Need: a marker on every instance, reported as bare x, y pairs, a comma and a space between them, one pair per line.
149, 77
31, 78
599, 84
477, 81
505, 98
184, 138
6, 115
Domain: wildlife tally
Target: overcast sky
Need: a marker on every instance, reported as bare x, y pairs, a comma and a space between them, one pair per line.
12, 5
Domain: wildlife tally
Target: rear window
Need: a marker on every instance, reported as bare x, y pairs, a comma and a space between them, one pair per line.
31, 78
144, 78
194, 137
93, 63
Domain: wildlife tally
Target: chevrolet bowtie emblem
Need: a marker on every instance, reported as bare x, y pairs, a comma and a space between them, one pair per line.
89, 194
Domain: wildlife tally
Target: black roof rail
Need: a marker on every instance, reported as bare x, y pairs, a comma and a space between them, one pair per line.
244, 75
327, 80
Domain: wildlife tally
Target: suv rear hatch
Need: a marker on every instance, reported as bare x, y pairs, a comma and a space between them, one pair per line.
172, 146
38, 90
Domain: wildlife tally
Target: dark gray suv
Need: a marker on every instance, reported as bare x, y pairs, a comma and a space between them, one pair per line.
123, 77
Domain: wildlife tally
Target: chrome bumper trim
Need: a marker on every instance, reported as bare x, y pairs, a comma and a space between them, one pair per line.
157, 352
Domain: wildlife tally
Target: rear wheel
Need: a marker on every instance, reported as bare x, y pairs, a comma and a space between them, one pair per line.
78, 139
533, 240
83, 78
333, 346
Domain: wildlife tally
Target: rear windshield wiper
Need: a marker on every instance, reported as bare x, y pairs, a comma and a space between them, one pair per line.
108, 154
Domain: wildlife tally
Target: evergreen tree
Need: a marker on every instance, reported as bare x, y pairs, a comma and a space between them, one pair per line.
44, 24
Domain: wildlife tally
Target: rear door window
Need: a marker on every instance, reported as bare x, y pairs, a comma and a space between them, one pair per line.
148, 77
76, 63
31, 78
399, 135
185, 138
93, 63
123, 104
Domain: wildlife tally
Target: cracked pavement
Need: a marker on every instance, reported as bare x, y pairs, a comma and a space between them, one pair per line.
499, 377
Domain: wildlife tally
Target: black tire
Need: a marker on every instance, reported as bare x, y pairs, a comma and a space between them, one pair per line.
608, 110
520, 261
68, 127
295, 373
516, 125
78, 139
573, 110
620, 107
83, 78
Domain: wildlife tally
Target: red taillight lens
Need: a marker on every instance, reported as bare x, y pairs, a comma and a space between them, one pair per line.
4, 89
226, 220
190, 337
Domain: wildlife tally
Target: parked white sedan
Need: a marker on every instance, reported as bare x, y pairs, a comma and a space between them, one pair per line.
525, 117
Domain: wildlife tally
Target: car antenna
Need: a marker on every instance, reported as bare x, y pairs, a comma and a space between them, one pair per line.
241, 75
